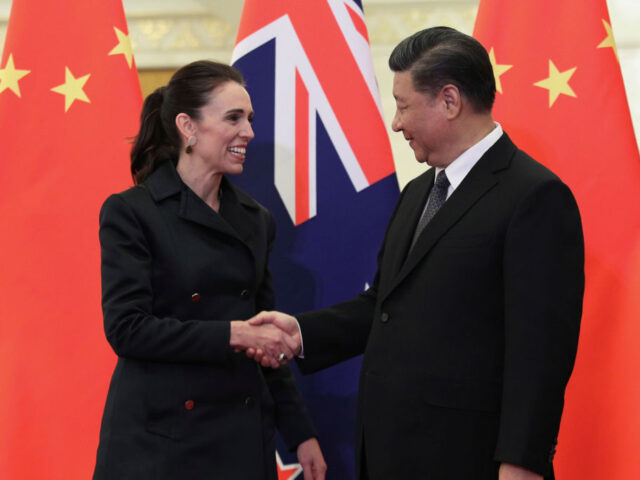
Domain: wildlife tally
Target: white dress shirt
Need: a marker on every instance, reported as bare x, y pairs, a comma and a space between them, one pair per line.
461, 166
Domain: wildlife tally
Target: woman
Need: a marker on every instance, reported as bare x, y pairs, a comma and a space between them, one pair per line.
184, 260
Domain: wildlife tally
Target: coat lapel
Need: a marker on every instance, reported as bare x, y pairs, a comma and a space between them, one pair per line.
238, 210
165, 182
194, 209
476, 184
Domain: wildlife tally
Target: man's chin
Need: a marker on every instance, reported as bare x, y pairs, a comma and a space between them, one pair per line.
422, 159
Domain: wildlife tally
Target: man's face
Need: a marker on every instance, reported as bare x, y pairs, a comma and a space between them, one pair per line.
421, 119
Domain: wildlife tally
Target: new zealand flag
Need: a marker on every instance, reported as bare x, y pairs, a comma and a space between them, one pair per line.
321, 162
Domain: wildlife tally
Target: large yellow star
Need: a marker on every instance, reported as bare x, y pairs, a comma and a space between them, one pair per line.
72, 88
123, 46
9, 77
497, 69
557, 83
609, 41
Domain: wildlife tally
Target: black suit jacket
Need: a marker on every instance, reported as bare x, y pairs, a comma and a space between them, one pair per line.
469, 339
181, 403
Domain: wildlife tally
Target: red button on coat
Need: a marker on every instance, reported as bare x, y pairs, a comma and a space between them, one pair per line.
195, 297
189, 404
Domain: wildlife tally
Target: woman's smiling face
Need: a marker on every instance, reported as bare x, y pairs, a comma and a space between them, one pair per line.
224, 128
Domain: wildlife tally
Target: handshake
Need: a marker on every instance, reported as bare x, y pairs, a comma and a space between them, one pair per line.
270, 338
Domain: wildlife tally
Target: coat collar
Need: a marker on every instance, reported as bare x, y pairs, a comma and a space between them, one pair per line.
480, 179
238, 209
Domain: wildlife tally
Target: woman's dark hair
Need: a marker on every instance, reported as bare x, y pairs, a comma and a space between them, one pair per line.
441, 55
187, 92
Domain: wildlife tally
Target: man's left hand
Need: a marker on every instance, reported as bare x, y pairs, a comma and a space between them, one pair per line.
514, 472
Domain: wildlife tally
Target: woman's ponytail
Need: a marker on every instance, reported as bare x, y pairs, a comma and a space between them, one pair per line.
153, 144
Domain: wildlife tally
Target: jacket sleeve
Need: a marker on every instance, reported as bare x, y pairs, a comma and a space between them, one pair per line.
341, 332
336, 334
127, 295
292, 418
543, 267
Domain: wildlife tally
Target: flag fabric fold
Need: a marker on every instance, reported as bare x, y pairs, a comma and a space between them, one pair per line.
321, 162
561, 98
69, 101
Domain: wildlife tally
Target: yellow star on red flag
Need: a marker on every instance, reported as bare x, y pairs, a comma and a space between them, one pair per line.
557, 83
123, 47
572, 139
498, 69
72, 88
10, 76
609, 41
60, 202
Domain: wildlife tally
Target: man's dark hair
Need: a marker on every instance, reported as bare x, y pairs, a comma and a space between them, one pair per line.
441, 55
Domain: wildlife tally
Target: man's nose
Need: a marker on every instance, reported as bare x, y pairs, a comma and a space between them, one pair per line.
396, 125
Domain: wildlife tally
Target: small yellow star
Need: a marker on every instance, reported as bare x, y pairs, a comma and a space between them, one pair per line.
9, 77
497, 69
557, 83
72, 88
123, 47
609, 41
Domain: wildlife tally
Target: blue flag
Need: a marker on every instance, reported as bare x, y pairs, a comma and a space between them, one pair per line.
322, 163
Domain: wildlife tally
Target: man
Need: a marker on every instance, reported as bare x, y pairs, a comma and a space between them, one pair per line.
470, 329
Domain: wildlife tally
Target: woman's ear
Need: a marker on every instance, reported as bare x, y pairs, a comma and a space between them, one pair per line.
185, 125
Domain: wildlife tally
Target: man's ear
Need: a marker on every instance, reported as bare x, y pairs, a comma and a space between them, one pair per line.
185, 125
452, 100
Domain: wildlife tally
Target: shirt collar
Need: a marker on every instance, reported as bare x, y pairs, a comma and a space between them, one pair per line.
461, 166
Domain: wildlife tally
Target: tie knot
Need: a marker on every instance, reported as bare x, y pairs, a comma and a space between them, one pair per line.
441, 180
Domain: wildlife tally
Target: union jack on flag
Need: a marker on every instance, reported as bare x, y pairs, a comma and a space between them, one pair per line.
321, 162
323, 67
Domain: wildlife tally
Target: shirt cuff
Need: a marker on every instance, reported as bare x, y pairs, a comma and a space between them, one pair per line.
301, 354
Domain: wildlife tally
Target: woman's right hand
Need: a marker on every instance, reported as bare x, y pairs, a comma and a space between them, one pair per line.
267, 338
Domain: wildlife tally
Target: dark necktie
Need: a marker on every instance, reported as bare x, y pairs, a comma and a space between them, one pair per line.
437, 198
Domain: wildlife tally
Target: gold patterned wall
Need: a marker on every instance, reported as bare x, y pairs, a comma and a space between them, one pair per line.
150, 79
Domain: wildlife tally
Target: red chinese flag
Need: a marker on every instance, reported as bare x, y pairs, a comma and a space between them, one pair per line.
561, 98
69, 100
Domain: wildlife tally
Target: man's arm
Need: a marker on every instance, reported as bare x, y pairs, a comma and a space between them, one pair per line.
330, 336
543, 268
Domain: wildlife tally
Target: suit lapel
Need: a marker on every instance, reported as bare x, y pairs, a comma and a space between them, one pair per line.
399, 239
475, 185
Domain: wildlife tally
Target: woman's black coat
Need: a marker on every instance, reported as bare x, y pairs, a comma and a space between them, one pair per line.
181, 403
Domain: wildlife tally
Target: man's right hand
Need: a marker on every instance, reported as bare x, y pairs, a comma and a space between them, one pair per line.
289, 327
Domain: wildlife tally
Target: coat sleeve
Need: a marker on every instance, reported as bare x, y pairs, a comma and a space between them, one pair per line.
543, 267
292, 418
127, 295
341, 332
